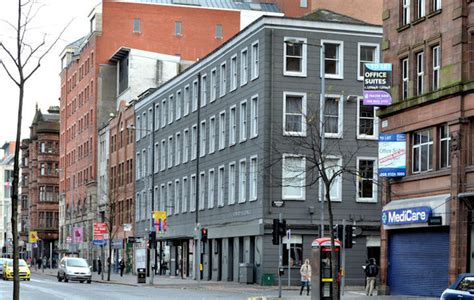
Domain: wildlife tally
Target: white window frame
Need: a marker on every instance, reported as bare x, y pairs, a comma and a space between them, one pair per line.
184, 195
211, 188
255, 60
420, 146
150, 120
222, 79
157, 116
376, 57
187, 100
243, 180
213, 85
338, 180
303, 3
179, 103
202, 190
253, 178
304, 57
340, 119
340, 59
244, 66
405, 72
302, 195
202, 139
360, 136
170, 152
212, 134
185, 145
163, 113
139, 166
222, 127
232, 125
436, 5
220, 186
192, 193
374, 199
254, 116
137, 132
243, 121
162, 197
163, 155
420, 72
303, 114
421, 8
144, 125
137, 207
194, 96
203, 90
144, 163
169, 207
171, 106
232, 183
178, 148
177, 198
194, 142
436, 65
447, 140
406, 18
233, 73
156, 156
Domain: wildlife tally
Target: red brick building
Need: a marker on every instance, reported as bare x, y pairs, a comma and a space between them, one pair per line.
430, 46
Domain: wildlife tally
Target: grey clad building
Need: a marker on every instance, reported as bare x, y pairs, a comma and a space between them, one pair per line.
218, 143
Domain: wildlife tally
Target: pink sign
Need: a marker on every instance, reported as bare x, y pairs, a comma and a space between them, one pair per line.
77, 235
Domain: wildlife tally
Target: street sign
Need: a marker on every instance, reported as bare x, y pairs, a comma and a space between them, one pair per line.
435, 220
127, 227
68, 239
288, 235
132, 240
278, 203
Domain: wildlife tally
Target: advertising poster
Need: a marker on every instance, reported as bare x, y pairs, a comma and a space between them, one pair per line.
377, 84
33, 237
392, 155
159, 218
77, 235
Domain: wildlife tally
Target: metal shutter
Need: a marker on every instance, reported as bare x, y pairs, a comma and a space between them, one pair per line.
418, 262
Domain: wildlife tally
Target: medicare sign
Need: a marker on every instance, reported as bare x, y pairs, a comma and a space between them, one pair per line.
403, 216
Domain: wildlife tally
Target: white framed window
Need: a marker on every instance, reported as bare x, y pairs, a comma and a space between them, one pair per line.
184, 195
163, 155
170, 151
157, 157
303, 3
156, 199
179, 104
192, 199
211, 189
150, 120
194, 142
144, 163
162, 197
367, 53
185, 145
194, 103
164, 112
436, 64
420, 72
444, 146
203, 139
333, 165
221, 186
219, 31
178, 28
254, 116
144, 125
244, 67
420, 8
202, 190
405, 77
137, 207
203, 90
293, 177
294, 114
139, 167
253, 178
366, 179
136, 25
222, 127
169, 196
243, 121
367, 121
137, 132
333, 59
157, 116
436, 5
187, 100
212, 134
213, 85
171, 106
242, 180
233, 72
232, 125
177, 199
177, 142
295, 56
255, 63
222, 80
422, 151
405, 12
232, 175
333, 116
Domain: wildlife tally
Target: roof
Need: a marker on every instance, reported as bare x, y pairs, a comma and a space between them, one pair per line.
325, 15
76, 44
223, 4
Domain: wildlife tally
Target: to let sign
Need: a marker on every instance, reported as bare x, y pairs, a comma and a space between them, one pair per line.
377, 84
100, 229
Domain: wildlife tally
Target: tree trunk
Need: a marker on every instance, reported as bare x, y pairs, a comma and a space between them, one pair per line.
334, 270
109, 259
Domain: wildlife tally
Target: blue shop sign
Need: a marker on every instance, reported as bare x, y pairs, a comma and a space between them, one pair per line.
403, 216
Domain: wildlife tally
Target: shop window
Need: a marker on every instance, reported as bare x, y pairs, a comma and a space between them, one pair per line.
295, 247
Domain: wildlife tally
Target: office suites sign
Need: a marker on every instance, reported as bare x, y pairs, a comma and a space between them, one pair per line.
405, 216
377, 84
392, 155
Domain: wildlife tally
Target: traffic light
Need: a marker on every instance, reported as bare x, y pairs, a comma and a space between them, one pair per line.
282, 228
348, 242
204, 234
338, 232
152, 239
275, 235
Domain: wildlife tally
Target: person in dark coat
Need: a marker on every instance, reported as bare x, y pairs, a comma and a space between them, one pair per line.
99, 266
122, 267
371, 272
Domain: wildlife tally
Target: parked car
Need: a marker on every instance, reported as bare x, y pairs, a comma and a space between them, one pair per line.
2, 260
462, 288
24, 270
74, 268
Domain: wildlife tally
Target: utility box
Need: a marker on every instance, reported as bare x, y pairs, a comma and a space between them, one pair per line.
141, 275
246, 273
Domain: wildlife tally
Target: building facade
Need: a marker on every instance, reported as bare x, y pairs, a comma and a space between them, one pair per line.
6, 179
429, 45
219, 144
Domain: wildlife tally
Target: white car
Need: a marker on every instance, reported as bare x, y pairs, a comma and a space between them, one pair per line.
74, 269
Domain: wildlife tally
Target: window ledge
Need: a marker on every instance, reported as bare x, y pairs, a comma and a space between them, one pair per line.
404, 27
419, 20
434, 13
426, 175
293, 74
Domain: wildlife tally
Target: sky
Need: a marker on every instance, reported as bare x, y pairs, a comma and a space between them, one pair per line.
43, 87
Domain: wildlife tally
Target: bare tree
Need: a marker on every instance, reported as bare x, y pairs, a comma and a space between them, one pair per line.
21, 60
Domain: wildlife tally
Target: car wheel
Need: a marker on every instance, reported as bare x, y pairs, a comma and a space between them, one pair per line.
28, 279
59, 278
89, 281
65, 279
81, 281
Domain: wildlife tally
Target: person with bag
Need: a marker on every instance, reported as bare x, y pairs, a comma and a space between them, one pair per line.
371, 271
305, 272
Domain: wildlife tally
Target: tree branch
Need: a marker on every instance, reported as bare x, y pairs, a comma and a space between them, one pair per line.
9, 74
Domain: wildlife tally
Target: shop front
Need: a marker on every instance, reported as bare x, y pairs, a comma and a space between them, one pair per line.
418, 245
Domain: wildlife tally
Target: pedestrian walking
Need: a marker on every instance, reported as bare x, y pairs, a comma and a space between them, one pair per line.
371, 271
99, 266
122, 267
305, 272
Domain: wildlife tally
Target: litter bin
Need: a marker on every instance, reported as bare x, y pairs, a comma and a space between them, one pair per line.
141, 275
268, 279
246, 273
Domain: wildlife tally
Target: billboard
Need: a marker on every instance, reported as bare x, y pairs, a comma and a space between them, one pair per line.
392, 155
100, 230
377, 84
33, 237
77, 235
159, 221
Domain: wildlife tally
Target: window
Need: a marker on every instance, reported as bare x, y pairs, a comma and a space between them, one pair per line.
203, 139
222, 130
333, 165
186, 101
177, 141
164, 113
333, 113
143, 125
420, 8
139, 166
202, 190
366, 185
255, 66
223, 80
138, 133
212, 134
444, 147
203, 90
232, 126
170, 151
242, 181
220, 186
243, 121
420, 73
244, 66
231, 183
211, 189
42, 147
194, 142
213, 85
303, 3
144, 163
253, 178
422, 151
177, 199
156, 156
157, 116
436, 5
233, 72
333, 59
163, 155
184, 195
294, 114
294, 56
192, 204
295, 246
185, 145
178, 28
436, 67
367, 122
218, 31
405, 78
405, 12
254, 116
150, 120
293, 177
162, 197
171, 106
368, 53
136, 25
137, 207
194, 103
42, 169
169, 196
179, 104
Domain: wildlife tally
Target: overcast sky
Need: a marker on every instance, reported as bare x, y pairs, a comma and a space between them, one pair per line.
44, 87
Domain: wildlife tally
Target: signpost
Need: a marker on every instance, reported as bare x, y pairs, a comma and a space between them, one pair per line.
392, 155
377, 84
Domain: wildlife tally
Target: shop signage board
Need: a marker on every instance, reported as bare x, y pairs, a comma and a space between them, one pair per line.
405, 216
377, 84
392, 155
